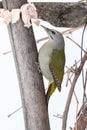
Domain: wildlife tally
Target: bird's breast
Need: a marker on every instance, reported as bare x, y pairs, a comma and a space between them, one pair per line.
44, 60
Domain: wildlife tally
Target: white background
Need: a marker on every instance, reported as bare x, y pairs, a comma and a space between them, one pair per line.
9, 90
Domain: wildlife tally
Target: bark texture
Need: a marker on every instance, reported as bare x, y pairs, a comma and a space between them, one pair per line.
30, 81
62, 14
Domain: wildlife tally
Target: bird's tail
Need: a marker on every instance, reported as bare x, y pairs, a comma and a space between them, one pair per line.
51, 89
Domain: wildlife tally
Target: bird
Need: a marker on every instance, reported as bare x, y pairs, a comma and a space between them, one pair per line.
52, 60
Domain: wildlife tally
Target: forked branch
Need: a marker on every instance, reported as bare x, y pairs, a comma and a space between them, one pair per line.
77, 74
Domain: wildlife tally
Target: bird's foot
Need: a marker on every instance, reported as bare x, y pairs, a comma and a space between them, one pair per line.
38, 67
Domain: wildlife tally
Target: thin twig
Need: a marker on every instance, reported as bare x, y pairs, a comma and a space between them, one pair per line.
85, 80
14, 111
76, 43
67, 78
5, 53
58, 116
71, 75
76, 115
74, 93
69, 69
77, 102
75, 64
45, 38
84, 92
77, 73
72, 30
82, 43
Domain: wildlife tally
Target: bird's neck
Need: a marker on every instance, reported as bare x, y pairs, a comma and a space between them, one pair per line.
59, 44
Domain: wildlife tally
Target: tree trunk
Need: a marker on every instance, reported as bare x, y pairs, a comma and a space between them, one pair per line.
30, 81
69, 14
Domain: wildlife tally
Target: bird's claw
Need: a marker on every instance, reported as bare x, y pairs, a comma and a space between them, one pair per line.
38, 67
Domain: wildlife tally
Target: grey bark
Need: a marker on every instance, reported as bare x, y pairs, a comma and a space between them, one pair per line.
62, 14
30, 81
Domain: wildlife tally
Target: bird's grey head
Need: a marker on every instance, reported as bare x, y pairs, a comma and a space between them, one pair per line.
54, 35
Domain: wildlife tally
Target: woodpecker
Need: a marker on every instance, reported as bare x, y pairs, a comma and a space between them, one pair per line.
52, 60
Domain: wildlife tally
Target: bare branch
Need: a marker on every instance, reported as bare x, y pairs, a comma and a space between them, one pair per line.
71, 68
45, 38
76, 43
85, 80
58, 116
68, 31
77, 103
84, 92
77, 73
14, 111
5, 53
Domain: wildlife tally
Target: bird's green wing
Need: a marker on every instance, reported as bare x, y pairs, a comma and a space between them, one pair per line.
57, 63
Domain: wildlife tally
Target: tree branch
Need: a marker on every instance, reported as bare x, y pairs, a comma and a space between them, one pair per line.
77, 73
70, 14
30, 80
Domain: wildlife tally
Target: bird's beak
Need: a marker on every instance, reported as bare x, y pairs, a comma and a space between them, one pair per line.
46, 29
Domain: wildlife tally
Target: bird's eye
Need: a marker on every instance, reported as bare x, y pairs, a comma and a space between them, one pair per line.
53, 32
